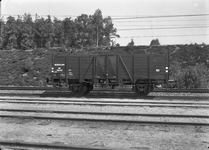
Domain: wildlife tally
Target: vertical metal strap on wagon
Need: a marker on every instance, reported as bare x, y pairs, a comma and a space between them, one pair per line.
106, 71
66, 72
167, 54
123, 64
94, 70
87, 69
53, 67
117, 69
59, 80
168, 62
148, 70
79, 69
133, 67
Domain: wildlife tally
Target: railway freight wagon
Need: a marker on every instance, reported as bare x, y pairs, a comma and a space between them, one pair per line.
82, 73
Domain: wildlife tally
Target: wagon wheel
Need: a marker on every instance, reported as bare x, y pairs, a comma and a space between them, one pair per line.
142, 90
89, 88
79, 90
87, 91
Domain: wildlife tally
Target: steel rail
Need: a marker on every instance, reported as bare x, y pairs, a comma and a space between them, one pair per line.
106, 95
106, 101
50, 146
106, 113
107, 89
104, 104
106, 120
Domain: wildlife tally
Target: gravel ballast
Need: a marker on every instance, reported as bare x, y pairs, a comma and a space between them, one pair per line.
118, 135
105, 134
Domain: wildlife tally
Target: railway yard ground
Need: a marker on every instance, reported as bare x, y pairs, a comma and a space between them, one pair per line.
38, 119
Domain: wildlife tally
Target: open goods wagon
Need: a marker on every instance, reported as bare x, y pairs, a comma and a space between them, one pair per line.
82, 73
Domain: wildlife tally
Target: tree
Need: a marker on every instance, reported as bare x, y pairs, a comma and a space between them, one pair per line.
131, 43
109, 32
24, 33
97, 25
27, 33
10, 33
58, 38
49, 34
155, 42
84, 31
69, 32
40, 31
2, 26
94, 30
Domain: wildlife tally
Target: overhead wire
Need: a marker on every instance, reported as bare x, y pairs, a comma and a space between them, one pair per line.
161, 25
130, 21
165, 36
165, 16
163, 28
119, 18
140, 21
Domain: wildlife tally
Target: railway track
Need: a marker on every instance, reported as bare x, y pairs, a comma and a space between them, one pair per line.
108, 89
108, 95
84, 100
48, 115
106, 120
105, 113
17, 145
108, 103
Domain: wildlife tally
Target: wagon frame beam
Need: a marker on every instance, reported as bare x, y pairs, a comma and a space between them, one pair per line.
123, 64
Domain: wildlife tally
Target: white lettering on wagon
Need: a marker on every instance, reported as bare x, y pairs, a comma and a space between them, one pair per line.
157, 70
70, 72
59, 69
59, 64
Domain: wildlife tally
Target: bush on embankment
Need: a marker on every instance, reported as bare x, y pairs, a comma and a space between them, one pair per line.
196, 76
25, 68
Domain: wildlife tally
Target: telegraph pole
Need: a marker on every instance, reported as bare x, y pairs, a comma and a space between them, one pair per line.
0, 19
1, 26
0, 9
97, 36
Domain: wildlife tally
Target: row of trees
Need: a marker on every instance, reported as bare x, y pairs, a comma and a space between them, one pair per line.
85, 30
154, 42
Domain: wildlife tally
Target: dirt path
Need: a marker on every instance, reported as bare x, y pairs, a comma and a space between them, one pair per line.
106, 134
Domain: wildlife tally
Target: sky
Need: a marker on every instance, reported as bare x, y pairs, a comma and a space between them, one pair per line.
169, 21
